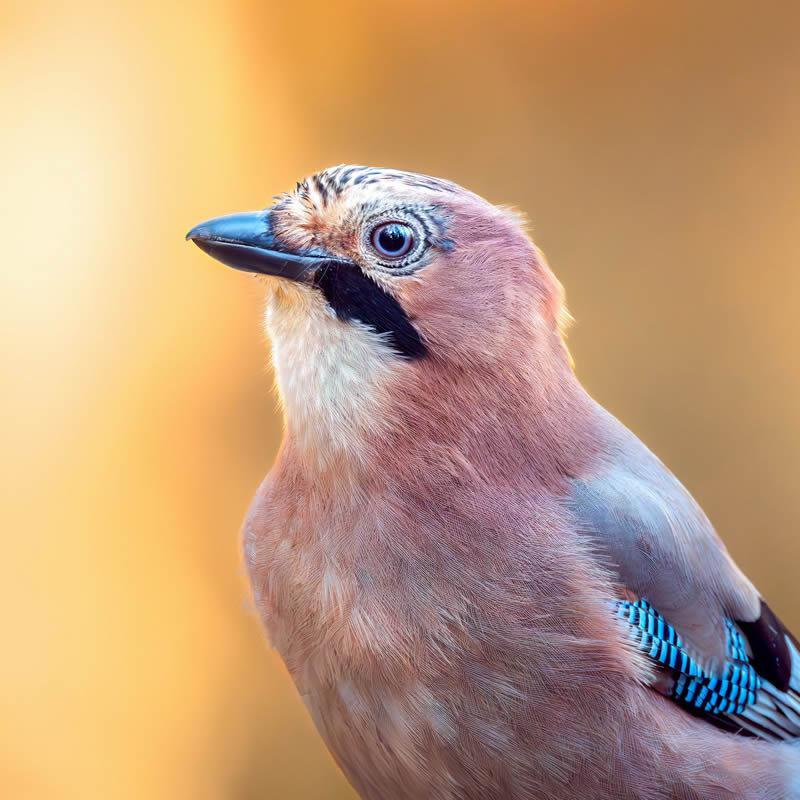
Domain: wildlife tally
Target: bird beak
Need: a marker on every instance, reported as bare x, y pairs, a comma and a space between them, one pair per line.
245, 241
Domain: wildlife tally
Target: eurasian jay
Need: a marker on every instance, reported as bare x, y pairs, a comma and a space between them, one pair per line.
482, 584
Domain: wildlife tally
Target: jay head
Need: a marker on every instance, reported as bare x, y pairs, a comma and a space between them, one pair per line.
394, 301
483, 584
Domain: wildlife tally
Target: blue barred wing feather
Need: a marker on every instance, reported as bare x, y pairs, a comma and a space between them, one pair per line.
738, 699
732, 692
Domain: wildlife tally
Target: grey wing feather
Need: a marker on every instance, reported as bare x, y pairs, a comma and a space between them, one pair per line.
660, 546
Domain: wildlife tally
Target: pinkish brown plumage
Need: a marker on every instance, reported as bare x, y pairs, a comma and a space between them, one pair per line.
444, 548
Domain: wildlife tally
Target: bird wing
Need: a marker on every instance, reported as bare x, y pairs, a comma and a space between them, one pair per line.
716, 646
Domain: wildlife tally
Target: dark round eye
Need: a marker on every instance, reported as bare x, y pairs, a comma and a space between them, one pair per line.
393, 239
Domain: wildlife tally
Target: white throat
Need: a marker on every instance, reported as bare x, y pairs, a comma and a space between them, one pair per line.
331, 375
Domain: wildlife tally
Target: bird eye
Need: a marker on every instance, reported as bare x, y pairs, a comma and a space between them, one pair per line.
393, 239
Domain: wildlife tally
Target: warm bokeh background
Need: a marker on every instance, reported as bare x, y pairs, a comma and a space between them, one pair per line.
654, 146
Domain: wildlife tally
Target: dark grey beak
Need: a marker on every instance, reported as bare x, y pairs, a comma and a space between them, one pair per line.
245, 241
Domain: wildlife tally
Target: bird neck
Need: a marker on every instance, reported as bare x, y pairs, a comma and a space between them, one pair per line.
353, 409
502, 421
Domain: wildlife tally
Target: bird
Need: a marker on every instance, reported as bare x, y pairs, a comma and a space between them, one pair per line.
482, 584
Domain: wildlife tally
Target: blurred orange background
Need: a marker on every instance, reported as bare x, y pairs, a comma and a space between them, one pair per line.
654, 146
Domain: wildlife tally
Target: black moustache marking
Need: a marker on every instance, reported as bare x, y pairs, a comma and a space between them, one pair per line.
354, 296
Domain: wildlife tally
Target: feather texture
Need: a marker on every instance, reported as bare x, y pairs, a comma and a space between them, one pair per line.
691, 686
484, 586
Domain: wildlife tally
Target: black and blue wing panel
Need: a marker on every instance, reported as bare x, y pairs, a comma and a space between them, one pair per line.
701, 691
